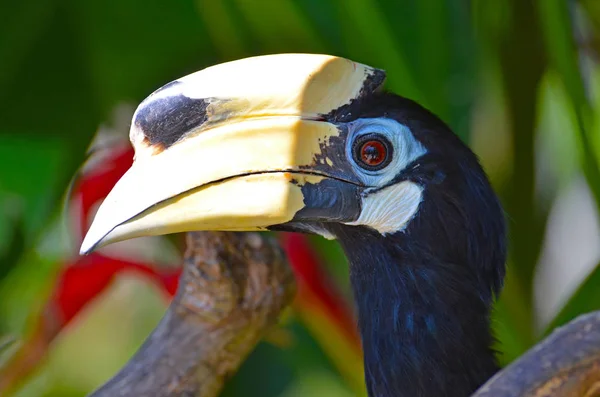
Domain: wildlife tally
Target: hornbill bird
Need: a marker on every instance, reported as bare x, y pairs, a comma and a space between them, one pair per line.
311, 143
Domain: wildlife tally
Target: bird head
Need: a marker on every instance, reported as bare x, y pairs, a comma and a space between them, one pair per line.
303, 142
312, 143
293, 140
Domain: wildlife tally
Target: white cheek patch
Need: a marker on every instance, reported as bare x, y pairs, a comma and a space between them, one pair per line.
391, 209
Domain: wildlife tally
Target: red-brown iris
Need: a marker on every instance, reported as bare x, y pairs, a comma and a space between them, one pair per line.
372, 151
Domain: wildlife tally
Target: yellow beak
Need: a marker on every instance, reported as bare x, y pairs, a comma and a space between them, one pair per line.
233, 147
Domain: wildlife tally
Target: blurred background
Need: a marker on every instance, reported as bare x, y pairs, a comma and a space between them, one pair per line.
519, 80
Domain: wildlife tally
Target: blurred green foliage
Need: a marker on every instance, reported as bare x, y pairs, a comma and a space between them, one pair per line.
517, 79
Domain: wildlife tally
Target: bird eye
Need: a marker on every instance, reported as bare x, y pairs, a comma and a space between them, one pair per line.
372, 151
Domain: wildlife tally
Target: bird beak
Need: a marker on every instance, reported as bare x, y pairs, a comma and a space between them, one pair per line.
236, 146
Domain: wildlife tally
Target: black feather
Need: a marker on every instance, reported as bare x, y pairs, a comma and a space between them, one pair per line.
424, 295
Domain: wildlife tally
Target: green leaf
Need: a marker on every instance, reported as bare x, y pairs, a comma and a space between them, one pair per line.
560, 44
21, 23
436, 38
271, 370
224, 30
279, 26
561, 47
130, 50
370, 39
48, 119
511, 321
30, 173
517, 49
67, 67
586, 299
5, 343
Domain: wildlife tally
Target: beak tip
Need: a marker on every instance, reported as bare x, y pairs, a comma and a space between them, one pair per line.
88, 245
85, 249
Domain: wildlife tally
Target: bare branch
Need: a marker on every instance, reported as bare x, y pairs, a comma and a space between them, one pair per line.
232, 290
565, 364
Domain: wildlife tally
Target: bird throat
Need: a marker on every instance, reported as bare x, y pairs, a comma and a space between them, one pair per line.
424, 323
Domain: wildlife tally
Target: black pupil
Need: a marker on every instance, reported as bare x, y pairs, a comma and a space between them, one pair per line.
371, 153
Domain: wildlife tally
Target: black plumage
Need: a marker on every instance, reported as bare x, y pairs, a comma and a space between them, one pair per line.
424, 294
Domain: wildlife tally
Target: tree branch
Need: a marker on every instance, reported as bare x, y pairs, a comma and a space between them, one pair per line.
233, 287
565, 364
232, 290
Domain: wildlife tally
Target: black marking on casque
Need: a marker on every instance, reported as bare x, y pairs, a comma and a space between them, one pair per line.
372, 84
165, 120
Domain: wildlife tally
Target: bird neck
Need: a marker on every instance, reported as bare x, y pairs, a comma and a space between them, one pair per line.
424, 322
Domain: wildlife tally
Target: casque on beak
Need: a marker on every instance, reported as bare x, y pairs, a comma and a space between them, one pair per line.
234, 146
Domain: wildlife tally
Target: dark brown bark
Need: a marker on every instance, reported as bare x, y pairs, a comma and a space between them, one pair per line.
232, 290
566, 364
